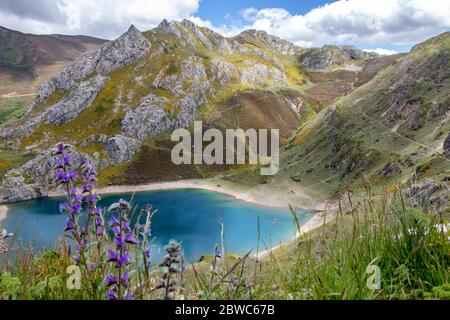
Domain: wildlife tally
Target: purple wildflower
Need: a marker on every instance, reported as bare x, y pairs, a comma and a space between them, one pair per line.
60, 149
124, 278
67, 160
73, 175
114, 222
64, 207
119, 241
116, 230
129, 238
124, 259
69, 225
111, 295
112, 256
110, 280
62, 176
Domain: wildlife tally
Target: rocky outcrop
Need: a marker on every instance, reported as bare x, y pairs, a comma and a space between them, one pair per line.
190, 87
35, 177
447, 146
148, 119
117, 54
110, 57
323, 58
15, 189
188, 33
261, 74
121, 149
80, 99
273, 43
430, 194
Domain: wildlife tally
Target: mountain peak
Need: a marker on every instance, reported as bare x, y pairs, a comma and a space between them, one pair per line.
132, 30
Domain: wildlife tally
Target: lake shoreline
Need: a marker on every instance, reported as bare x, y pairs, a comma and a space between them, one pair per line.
315, 222
277, 199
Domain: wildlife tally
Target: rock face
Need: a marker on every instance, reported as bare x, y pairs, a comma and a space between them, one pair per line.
80, 99
430, 194
121, 148
40, 174
328, 56
119, 53
274, 43
260, 74
15, 189
148, 119
447, 146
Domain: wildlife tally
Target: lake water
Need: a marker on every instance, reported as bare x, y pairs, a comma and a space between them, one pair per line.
187, 215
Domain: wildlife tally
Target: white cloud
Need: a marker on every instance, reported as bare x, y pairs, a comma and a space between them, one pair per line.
366, 23
381, 51
101, 18
369, 22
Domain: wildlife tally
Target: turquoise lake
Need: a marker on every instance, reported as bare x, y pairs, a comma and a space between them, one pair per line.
187, 215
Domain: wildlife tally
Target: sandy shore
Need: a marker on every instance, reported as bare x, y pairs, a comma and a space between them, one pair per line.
315, 222
262, 194
3, 213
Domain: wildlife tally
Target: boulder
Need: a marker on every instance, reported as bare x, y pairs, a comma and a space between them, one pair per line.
121, 149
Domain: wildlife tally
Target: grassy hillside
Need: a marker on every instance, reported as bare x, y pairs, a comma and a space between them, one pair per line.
389, 130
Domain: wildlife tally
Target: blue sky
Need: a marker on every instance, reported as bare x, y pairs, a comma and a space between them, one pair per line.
223, 12
382, 25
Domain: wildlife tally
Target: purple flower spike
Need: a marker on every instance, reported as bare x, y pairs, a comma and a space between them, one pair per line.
114, 222
99, 221
148, 253
112, 256
124, 259
60, 149
124, 278
129, 238
110, 280
66, 160
111, 295
100, 231
62, 176
75, 208
69, 225
59, 163
119, 242
73, 175
116, 230
64, 207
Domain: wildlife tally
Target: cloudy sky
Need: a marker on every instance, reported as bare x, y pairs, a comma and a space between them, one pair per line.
390, 25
